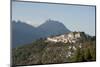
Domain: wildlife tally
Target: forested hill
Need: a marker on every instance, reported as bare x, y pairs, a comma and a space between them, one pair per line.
42, 52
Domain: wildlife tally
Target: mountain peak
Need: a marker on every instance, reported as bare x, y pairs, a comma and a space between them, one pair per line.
24, 33
50, 20
53, 27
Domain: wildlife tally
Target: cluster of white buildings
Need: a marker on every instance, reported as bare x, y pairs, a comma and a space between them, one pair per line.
72, 37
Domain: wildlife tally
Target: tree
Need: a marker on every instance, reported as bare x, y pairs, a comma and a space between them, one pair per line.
79, 56
88, 56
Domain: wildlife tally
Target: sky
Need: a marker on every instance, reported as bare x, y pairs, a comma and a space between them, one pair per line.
74, 17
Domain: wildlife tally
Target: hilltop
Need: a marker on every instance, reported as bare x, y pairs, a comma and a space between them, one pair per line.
43, 51
71, 37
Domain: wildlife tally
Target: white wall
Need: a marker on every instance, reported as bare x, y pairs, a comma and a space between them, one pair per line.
5, 33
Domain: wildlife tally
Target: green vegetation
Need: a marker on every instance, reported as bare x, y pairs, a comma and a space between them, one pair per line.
86, 53
41, 52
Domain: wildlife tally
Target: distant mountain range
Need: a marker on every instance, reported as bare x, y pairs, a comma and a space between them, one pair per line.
23, 33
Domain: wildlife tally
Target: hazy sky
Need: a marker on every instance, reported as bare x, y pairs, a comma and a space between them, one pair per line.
75, 18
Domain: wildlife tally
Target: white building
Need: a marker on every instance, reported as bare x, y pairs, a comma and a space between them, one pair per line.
69, 38
52, 39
